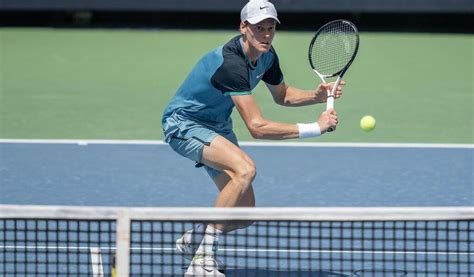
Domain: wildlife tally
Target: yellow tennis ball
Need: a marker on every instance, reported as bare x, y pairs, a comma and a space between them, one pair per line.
367, 123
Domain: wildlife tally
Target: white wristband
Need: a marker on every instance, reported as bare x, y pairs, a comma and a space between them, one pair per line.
308, 130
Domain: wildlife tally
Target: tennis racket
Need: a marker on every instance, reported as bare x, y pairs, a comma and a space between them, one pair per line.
332, 51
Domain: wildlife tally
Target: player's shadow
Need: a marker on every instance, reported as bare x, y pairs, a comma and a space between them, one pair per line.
279, 273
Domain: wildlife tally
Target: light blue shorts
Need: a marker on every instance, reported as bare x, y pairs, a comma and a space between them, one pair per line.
192, 144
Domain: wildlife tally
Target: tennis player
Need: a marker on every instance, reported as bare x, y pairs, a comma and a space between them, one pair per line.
197, 122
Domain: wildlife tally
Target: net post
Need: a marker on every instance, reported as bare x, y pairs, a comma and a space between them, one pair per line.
122, 255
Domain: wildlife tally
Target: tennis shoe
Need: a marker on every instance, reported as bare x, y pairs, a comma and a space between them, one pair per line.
186, 247
203, 266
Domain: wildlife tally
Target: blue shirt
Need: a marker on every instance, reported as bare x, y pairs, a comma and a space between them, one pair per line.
205, 95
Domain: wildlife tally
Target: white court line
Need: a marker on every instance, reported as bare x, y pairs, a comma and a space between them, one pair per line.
54, 247
347, 251
247, 143
267, 250
276, 250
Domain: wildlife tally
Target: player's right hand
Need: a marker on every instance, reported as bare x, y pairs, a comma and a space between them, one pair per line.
327, 119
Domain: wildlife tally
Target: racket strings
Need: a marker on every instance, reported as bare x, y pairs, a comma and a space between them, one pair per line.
333, 48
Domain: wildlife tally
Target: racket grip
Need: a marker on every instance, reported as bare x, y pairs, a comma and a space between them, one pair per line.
330, 105
330, 99
330, 102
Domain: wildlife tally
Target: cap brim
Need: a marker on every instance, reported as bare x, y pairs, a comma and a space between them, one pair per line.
257, 19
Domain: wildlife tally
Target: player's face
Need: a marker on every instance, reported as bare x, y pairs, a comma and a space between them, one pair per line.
259, 36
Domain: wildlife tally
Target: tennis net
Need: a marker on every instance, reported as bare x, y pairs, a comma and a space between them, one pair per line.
118, 241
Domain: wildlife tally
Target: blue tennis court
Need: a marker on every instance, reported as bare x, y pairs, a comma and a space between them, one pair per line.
123, 174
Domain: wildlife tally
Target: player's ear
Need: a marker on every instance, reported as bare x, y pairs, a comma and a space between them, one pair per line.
243, 28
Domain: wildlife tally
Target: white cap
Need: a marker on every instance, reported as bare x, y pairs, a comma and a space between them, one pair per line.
257, 10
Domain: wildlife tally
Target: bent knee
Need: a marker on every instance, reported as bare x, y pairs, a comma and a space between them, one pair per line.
245, 174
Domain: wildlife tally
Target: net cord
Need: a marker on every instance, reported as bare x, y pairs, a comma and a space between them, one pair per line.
241, 213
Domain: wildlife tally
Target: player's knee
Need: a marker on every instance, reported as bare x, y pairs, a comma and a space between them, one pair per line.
249, 172
245, 174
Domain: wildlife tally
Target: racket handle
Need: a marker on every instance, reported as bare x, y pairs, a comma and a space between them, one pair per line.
330, 99
331, 93
330, 105
330, 102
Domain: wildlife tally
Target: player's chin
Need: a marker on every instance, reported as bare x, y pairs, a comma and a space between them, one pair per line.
265, 46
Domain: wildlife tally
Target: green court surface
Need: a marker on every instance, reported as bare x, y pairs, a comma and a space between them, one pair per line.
114, 84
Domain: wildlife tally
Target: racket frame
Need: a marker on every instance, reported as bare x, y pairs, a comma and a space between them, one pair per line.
340, 73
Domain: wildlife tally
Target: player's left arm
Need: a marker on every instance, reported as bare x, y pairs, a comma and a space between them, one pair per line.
262, 128
286, 95
259, 126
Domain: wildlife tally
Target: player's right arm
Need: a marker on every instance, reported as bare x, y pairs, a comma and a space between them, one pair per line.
290, 96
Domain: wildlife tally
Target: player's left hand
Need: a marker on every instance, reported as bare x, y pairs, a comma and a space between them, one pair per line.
321, 90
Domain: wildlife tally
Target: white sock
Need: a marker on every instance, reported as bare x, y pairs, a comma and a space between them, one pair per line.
209, 243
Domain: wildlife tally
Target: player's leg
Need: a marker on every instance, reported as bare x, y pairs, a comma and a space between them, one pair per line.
222, 178
246, 200
191, 239
235, 181
224, 156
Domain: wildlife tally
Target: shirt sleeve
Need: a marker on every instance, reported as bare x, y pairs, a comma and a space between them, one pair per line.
273, 75
231, 78
230, 82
